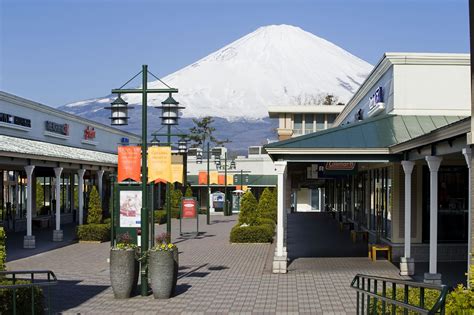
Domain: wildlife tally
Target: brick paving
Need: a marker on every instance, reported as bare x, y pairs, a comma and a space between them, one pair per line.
215, 277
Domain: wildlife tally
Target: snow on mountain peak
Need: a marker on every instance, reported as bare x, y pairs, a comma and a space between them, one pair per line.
274, 65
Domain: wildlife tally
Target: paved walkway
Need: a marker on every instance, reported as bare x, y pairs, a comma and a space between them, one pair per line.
215, 277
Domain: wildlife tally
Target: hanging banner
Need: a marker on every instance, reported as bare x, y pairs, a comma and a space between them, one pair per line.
230, 180
221, 180
130, 208
214, 177
159, 164
129, 158
177, 173
202, 178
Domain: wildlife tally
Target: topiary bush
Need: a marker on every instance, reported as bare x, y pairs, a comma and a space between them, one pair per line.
94, 232
265, 203
23, 298
3, 249
94, 215
159, 216
251, 234
188, 192
248, 209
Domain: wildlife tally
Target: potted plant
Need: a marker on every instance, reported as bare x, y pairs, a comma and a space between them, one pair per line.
123, 267
163, 267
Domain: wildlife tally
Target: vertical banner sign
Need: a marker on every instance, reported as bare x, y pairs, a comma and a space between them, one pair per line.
221, 180
177, 173
159, 164
213, 177
130, 208
230, 179
202, 178
189, 208
129, 162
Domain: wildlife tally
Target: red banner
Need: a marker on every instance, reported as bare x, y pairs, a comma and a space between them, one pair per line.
189, 208
129, 158
221, 180
202, 178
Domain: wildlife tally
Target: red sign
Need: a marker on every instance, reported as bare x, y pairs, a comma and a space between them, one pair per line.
189, 208
202, 178
340, 166
89, 133
129, 158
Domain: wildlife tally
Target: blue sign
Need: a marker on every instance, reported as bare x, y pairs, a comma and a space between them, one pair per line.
124, 140
376, 98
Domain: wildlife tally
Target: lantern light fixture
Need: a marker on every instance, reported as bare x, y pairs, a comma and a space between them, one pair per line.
170, 111
119, 112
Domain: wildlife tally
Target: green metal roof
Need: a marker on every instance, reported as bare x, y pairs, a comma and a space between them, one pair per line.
377, 132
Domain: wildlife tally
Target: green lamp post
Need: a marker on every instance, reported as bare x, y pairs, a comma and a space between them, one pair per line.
119, 116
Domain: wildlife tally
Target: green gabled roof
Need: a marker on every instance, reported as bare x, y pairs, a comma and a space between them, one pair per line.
377, 132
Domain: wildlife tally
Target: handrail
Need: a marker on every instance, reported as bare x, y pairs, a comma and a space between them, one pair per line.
362, 284
47, 279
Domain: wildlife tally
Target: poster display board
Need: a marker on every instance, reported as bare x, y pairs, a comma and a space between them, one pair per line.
130, 208
188, 211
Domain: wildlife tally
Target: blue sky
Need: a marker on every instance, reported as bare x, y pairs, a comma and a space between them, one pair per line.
59, 51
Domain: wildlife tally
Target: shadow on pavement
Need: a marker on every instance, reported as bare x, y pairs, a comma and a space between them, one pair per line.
70, 294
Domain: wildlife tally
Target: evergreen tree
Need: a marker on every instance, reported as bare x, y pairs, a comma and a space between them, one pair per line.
202, 131
188, 192
248, 209
265, 204
94, 215
39, 196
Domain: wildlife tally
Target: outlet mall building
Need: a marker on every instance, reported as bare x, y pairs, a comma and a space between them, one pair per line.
394, 164
49, 160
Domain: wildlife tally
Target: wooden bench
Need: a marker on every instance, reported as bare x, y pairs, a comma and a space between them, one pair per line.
355, 235
374, 248
343, 225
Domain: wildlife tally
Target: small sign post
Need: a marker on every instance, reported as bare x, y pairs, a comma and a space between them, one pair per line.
188, 211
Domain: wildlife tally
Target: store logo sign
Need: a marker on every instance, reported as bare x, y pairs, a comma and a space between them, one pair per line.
340, 166
15, 120
376, 98
62, 129
124, 140
89, 133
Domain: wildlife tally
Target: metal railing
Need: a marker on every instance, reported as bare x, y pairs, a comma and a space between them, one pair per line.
28, 279
377, 295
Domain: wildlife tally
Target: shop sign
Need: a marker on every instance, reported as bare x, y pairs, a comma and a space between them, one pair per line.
130, 208
89, 133
124, 140
62, 129
15, 120
340, 166
189, 208
376, 98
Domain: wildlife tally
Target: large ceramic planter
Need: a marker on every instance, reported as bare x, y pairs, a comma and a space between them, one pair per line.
123, 272
162, 266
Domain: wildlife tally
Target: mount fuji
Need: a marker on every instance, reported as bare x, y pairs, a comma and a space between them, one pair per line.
274, 65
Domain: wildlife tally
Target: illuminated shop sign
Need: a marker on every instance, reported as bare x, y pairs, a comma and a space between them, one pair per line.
62, 129
15, 120
89, 133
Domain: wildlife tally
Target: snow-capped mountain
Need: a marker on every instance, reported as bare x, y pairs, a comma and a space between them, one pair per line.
274, 65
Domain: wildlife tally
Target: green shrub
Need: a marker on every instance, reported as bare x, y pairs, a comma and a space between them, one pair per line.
460, 301
188, 192
175, 213
94, 215
108, 221
269, 215
94, 232
248, 209
266, 221
251, 234
266, 204
3, 249
23, 299
160, 216
431, 297
39, 195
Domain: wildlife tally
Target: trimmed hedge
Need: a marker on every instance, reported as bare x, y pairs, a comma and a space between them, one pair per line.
252, 234
94, 232
269, 215
3, 249
159, 216
23, 299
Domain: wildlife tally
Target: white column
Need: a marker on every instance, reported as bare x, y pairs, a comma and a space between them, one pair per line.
80, 175
100, 174
279, 261
407, 264
433, 163
58, 233
29, 239
468, 156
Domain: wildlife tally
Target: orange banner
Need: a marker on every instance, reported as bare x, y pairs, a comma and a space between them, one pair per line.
221, 180
214, 177
129, 163
159, 164
177, 173
230, 180
202, 178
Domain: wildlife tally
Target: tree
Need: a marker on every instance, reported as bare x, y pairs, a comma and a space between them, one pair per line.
39, 196
202, 131
188, 192
248, 209
266, 204
330, 99
94, 215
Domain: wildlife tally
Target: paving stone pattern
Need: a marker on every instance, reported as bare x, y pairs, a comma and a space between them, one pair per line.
215, 277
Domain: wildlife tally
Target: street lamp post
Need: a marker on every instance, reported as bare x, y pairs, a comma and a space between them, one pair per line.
119, 116
230, 167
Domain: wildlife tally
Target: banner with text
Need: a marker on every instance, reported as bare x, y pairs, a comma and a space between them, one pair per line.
214, 177
129, 162
159, 164
177, 173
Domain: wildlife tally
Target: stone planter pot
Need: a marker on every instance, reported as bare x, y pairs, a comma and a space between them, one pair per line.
162, 266
123, 272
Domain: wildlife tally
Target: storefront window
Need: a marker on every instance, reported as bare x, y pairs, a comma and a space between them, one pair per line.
298, 124
308, 123
319, 122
